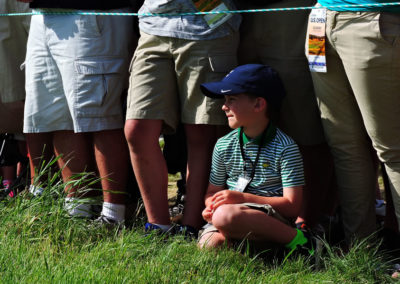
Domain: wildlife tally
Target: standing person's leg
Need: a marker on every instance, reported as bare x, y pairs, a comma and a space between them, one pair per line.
46, 108
346, 135
40, 150
149, 167
198, 62
374, 75
94, 77
112, 165
152, 108
200, 144
112, 157
73, 152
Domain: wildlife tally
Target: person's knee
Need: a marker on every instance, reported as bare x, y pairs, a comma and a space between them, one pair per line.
226, 216
140, 134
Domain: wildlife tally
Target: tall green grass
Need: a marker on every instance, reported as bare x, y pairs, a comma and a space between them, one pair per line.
39, 243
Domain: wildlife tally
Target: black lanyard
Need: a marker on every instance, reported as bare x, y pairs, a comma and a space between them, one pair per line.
253, 165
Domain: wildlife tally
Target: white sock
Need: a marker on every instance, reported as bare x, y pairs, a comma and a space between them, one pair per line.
36, 190
114, 211
165, 228
77, 209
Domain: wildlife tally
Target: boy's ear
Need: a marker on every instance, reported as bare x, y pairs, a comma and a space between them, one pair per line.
260, 105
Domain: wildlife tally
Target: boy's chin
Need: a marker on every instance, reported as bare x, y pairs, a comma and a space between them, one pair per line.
233, 125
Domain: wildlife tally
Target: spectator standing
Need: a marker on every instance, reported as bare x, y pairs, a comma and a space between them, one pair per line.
358, 97
76, 71
174, 55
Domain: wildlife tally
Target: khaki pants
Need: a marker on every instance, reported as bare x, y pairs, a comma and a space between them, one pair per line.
359, 100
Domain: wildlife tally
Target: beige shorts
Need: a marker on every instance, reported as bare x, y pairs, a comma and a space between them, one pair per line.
166, 74
266, 208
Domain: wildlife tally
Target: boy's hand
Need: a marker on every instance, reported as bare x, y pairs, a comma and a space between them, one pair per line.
207, 214
226, 197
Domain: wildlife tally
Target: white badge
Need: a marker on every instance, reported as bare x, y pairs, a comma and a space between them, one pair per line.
213, 20
242, 182
316, 40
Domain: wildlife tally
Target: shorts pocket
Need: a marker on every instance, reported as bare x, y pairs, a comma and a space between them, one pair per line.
222, 63
89, 26
96, 82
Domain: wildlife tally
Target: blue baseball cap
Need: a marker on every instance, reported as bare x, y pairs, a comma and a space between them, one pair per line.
255, 79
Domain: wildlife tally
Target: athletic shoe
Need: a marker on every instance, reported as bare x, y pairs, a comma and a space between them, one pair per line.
150, 229
103, 221
380, 207
187, 231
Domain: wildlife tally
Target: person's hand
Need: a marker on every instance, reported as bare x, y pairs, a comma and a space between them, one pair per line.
207, 214
226, 197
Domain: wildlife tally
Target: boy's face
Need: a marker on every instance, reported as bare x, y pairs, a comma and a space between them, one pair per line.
239, 110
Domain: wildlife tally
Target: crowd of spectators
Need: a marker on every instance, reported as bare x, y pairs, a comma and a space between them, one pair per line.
84, 73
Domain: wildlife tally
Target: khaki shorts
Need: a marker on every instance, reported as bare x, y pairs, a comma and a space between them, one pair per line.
266, 208
277, 39
166, 74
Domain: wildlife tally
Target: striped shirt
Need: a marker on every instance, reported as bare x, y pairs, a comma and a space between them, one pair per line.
280, 163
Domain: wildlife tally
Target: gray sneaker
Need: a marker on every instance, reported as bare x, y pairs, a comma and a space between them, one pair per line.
111, 224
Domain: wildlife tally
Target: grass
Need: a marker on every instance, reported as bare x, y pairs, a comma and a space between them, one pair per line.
39, 243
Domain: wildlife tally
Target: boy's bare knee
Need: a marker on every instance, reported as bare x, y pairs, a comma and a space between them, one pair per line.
226, 216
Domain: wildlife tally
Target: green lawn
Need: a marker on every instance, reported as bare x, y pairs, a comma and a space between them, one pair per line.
39, 243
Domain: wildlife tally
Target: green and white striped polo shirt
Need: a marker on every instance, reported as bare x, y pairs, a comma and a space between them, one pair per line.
280, 163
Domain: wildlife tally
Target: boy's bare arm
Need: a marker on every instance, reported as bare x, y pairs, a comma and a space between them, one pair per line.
211, 190
287, 205
208, 211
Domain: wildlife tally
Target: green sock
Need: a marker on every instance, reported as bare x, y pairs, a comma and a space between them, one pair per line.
299, 239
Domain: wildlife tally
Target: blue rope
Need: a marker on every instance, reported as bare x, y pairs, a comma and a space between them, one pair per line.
333, 7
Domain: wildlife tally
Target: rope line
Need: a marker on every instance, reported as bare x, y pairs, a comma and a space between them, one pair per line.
366, 5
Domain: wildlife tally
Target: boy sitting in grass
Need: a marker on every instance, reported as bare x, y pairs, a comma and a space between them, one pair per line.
256, 181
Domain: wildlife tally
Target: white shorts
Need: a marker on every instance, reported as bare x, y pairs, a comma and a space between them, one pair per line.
76, 71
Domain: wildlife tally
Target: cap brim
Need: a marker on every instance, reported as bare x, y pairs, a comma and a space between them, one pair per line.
218, 90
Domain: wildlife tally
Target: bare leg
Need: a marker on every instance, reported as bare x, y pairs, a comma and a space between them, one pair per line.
75, 153
111, 154
212, 240
236, 221
8, 173
40, 149
149, 167
21, 166
200, 143
319, 175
